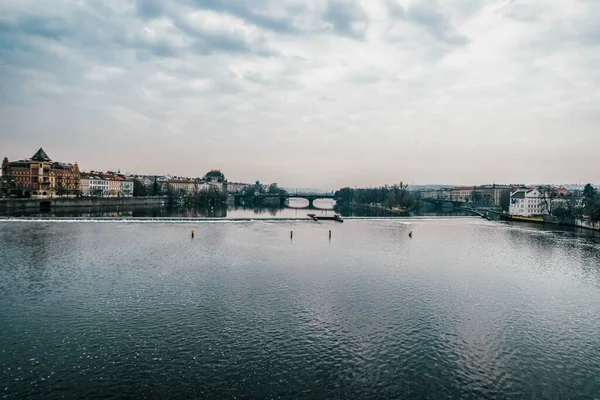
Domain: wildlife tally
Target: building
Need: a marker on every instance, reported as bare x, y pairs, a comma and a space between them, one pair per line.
436, 194
489, 194
218, 186
94, 185
182, 186
114, 184
118, 185
236, 187
461, 194
41, 177
528, 203
84, 184
214, 175
99, 184
126, 187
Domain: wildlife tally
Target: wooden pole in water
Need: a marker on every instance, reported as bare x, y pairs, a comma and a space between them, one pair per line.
291, 235
330, 234
192, 233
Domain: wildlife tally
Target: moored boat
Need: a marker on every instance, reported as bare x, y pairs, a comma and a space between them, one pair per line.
335, 217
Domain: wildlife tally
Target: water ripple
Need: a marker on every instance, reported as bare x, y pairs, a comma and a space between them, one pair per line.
464, 309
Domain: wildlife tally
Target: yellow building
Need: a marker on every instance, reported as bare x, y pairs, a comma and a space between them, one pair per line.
114, 185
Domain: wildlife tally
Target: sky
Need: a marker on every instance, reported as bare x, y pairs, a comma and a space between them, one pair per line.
315, 93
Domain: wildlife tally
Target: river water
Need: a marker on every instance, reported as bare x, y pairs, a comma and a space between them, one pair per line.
466, 308
294, 208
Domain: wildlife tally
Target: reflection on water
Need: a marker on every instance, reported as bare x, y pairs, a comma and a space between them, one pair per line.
466, 309
294, 208
221, 211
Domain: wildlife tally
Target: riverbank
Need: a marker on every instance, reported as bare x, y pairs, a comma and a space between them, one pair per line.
550, 219
577, 222
393, 210
21, 204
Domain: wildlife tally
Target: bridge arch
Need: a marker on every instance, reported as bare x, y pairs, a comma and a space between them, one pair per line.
311, 200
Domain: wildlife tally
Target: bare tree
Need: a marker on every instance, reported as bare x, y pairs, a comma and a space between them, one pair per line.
548, 198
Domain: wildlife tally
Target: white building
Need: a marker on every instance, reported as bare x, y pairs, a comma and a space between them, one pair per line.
99, 186
94, 185
528, 203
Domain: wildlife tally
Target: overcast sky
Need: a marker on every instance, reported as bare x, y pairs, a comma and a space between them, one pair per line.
317, 93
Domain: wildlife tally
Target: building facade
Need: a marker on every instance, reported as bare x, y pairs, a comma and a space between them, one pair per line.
432, 194
235, 187
84, 184
94, 185
98, 184
114, 185
41, 177
182, 186
528, 203
489, 194
462, 194
218, 186
126, 187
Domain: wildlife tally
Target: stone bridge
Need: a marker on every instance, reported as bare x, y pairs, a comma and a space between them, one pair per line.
311, 197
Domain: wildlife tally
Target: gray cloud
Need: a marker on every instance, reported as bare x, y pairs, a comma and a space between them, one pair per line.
347, 18
343, 17
426, 14
423, 92
232, 41
395, 9
149, 8
255, 12
49, 27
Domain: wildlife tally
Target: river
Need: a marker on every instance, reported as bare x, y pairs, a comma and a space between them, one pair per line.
466, 308
294, 208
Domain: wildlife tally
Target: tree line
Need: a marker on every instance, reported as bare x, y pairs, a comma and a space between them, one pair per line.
577, 204
394, 196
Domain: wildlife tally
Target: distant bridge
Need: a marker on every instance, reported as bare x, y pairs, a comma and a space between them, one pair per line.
311, 197
281, 198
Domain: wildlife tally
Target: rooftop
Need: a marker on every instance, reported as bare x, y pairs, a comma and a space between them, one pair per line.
41, 156
519, 194
179, 181
464, 188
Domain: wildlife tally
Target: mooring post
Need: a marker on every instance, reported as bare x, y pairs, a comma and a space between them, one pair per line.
291, 235
192, 233
330, 234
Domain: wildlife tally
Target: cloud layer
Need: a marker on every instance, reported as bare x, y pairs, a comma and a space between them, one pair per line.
319, 93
